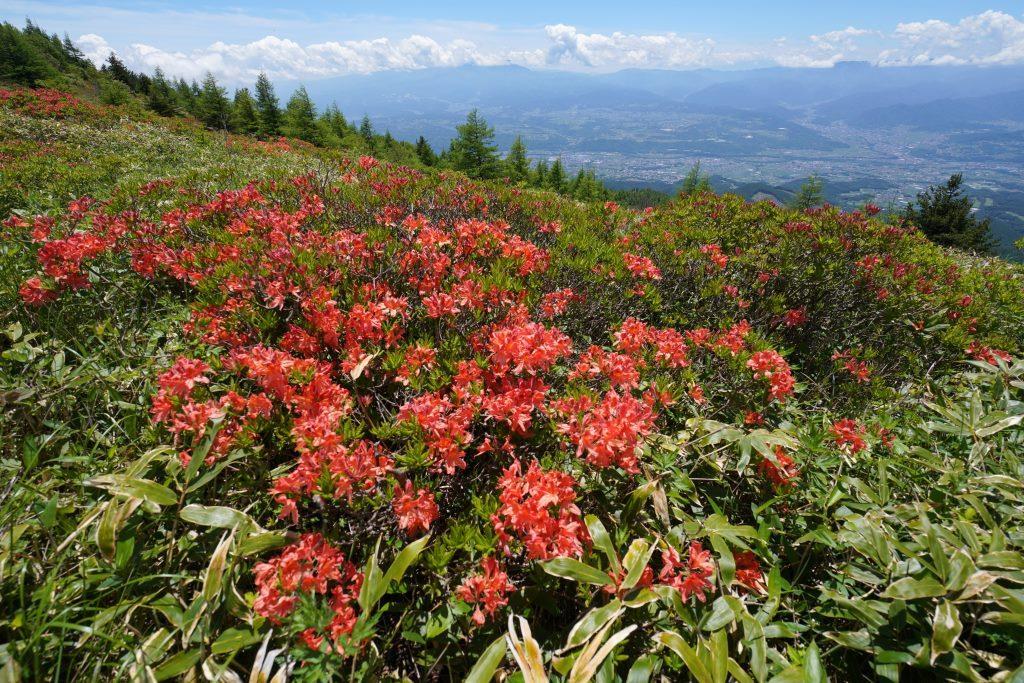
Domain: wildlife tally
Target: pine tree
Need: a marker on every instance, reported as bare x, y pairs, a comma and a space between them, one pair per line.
335, 120
556, 176
586, 187
695, 182
20, 62
539, 178
212, 105
366, 130
425, 152
267, 107
517, 165
185, 97
473, 150
244, 118
946, 216
811, 194
161, 97
300, 117
118, 71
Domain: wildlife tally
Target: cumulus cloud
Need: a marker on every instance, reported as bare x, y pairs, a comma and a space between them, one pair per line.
988, 38
666, 50
991, 37
284, 58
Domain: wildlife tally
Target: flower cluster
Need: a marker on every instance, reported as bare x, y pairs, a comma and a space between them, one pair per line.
538, 508
691, 578
311, 567
857, 369
416, 509
610, 432
771, 366
488, 591
781, 470
849, 436
641, 267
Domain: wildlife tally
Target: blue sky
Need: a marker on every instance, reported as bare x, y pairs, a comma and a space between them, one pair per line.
312, 40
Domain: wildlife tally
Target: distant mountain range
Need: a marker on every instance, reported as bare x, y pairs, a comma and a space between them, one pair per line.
889, 130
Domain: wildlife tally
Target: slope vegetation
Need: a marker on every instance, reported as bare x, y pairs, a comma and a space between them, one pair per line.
266, 408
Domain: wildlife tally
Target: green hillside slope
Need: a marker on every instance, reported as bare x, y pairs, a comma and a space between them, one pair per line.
260, 396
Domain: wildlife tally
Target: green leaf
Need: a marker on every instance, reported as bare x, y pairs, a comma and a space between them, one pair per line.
234, 639
592, 622
635, 561
490, 660
218, 517
757, 645
814, 670
642, 669
403, 561
178, 664
855, 640
375, 584
911, 589
637, 498
215, 571
134, 488
200, 452
946, 629
675, 642
1003, 559
722, 614
602, 541
259, 543
719, 656
568, 568
106, 531
726, 560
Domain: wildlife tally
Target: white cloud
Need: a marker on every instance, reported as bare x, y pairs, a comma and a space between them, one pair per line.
569, 47
988, 38
94, 47
283, 58
846, 38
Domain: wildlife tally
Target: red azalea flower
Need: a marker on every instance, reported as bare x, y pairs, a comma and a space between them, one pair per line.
488, 591
692, 578
849, 436
416, 509
748, 571
538, 508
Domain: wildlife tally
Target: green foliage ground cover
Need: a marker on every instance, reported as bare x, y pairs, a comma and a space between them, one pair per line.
762, 444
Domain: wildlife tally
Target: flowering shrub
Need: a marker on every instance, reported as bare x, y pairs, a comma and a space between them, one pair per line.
377, 412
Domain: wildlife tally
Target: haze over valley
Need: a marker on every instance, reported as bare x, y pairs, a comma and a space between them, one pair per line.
873, 133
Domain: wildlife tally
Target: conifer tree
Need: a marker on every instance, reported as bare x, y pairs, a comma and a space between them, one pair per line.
300, 117
333, 122
946, 216
811, 194
244, 118
118, 71
212, 106
425, 152
517, 165
21, 62
366, 130
556, 176
185, 97
473, 150
695, 182
539, 177
267, 107
161, 97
